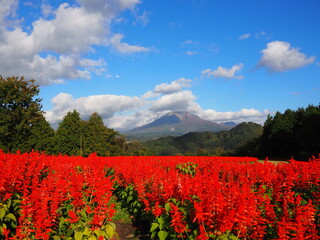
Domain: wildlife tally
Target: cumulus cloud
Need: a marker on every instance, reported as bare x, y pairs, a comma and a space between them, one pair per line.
105, 105
52, 51
109, 8
222, 72
179, 101
174, 86
7, 9
238, 116
279, 56
125, 48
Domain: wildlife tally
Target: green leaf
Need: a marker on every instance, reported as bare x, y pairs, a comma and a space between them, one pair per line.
154, 226
160, 221
13, 224
78, 235
2, 213
8, 202
153, 235
92, 238
83, 213
12, 217
62, 221
100, 233
86, 231
167, 207
56, 237
109, 231
112, 225
162, 235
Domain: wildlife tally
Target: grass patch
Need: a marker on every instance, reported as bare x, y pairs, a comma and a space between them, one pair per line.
273, 161
120, 215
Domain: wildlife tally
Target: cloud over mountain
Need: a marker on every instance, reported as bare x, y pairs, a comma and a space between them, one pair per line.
126, 112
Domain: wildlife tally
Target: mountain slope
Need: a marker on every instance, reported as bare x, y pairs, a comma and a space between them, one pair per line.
174, 124
206, 143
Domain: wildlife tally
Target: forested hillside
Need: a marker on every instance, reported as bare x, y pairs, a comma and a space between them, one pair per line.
206, 143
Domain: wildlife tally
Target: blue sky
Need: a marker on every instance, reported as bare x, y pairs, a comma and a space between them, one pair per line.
133, 61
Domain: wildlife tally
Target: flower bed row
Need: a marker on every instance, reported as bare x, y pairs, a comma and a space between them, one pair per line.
60, 197
48, 197
223, 198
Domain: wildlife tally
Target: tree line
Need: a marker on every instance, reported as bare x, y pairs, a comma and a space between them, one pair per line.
23, 126
294, 133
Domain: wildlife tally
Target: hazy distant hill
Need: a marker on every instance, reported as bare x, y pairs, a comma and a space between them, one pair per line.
175, 124
206, 143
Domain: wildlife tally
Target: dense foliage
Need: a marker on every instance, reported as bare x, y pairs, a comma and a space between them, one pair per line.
61, 197
206, 143
292, 133
20, 114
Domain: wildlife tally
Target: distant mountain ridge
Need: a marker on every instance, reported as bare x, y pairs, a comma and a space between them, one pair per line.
207, 143
175, 124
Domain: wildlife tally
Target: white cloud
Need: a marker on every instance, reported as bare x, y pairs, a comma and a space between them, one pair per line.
8, 8
106, 105
239, 116
244, 36
143, 18
279, 56
46, 8
178, 101
225, 73
109, 8
73, 30
136, 119
52, 50
150, 94
174, 86
125, 48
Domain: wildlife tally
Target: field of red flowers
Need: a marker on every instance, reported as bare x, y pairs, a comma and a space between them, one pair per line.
61, 197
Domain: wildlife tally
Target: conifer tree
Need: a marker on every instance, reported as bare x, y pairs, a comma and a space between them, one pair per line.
69, 135
42, 136
97, 137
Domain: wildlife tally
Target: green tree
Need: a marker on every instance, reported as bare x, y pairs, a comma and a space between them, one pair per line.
279, 135
97, 137
307, 133
292, 133
42, 136
135, 148
20, 111
69, 135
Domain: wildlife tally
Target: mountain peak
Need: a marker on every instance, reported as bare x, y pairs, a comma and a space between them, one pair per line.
175, 124
182, 115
